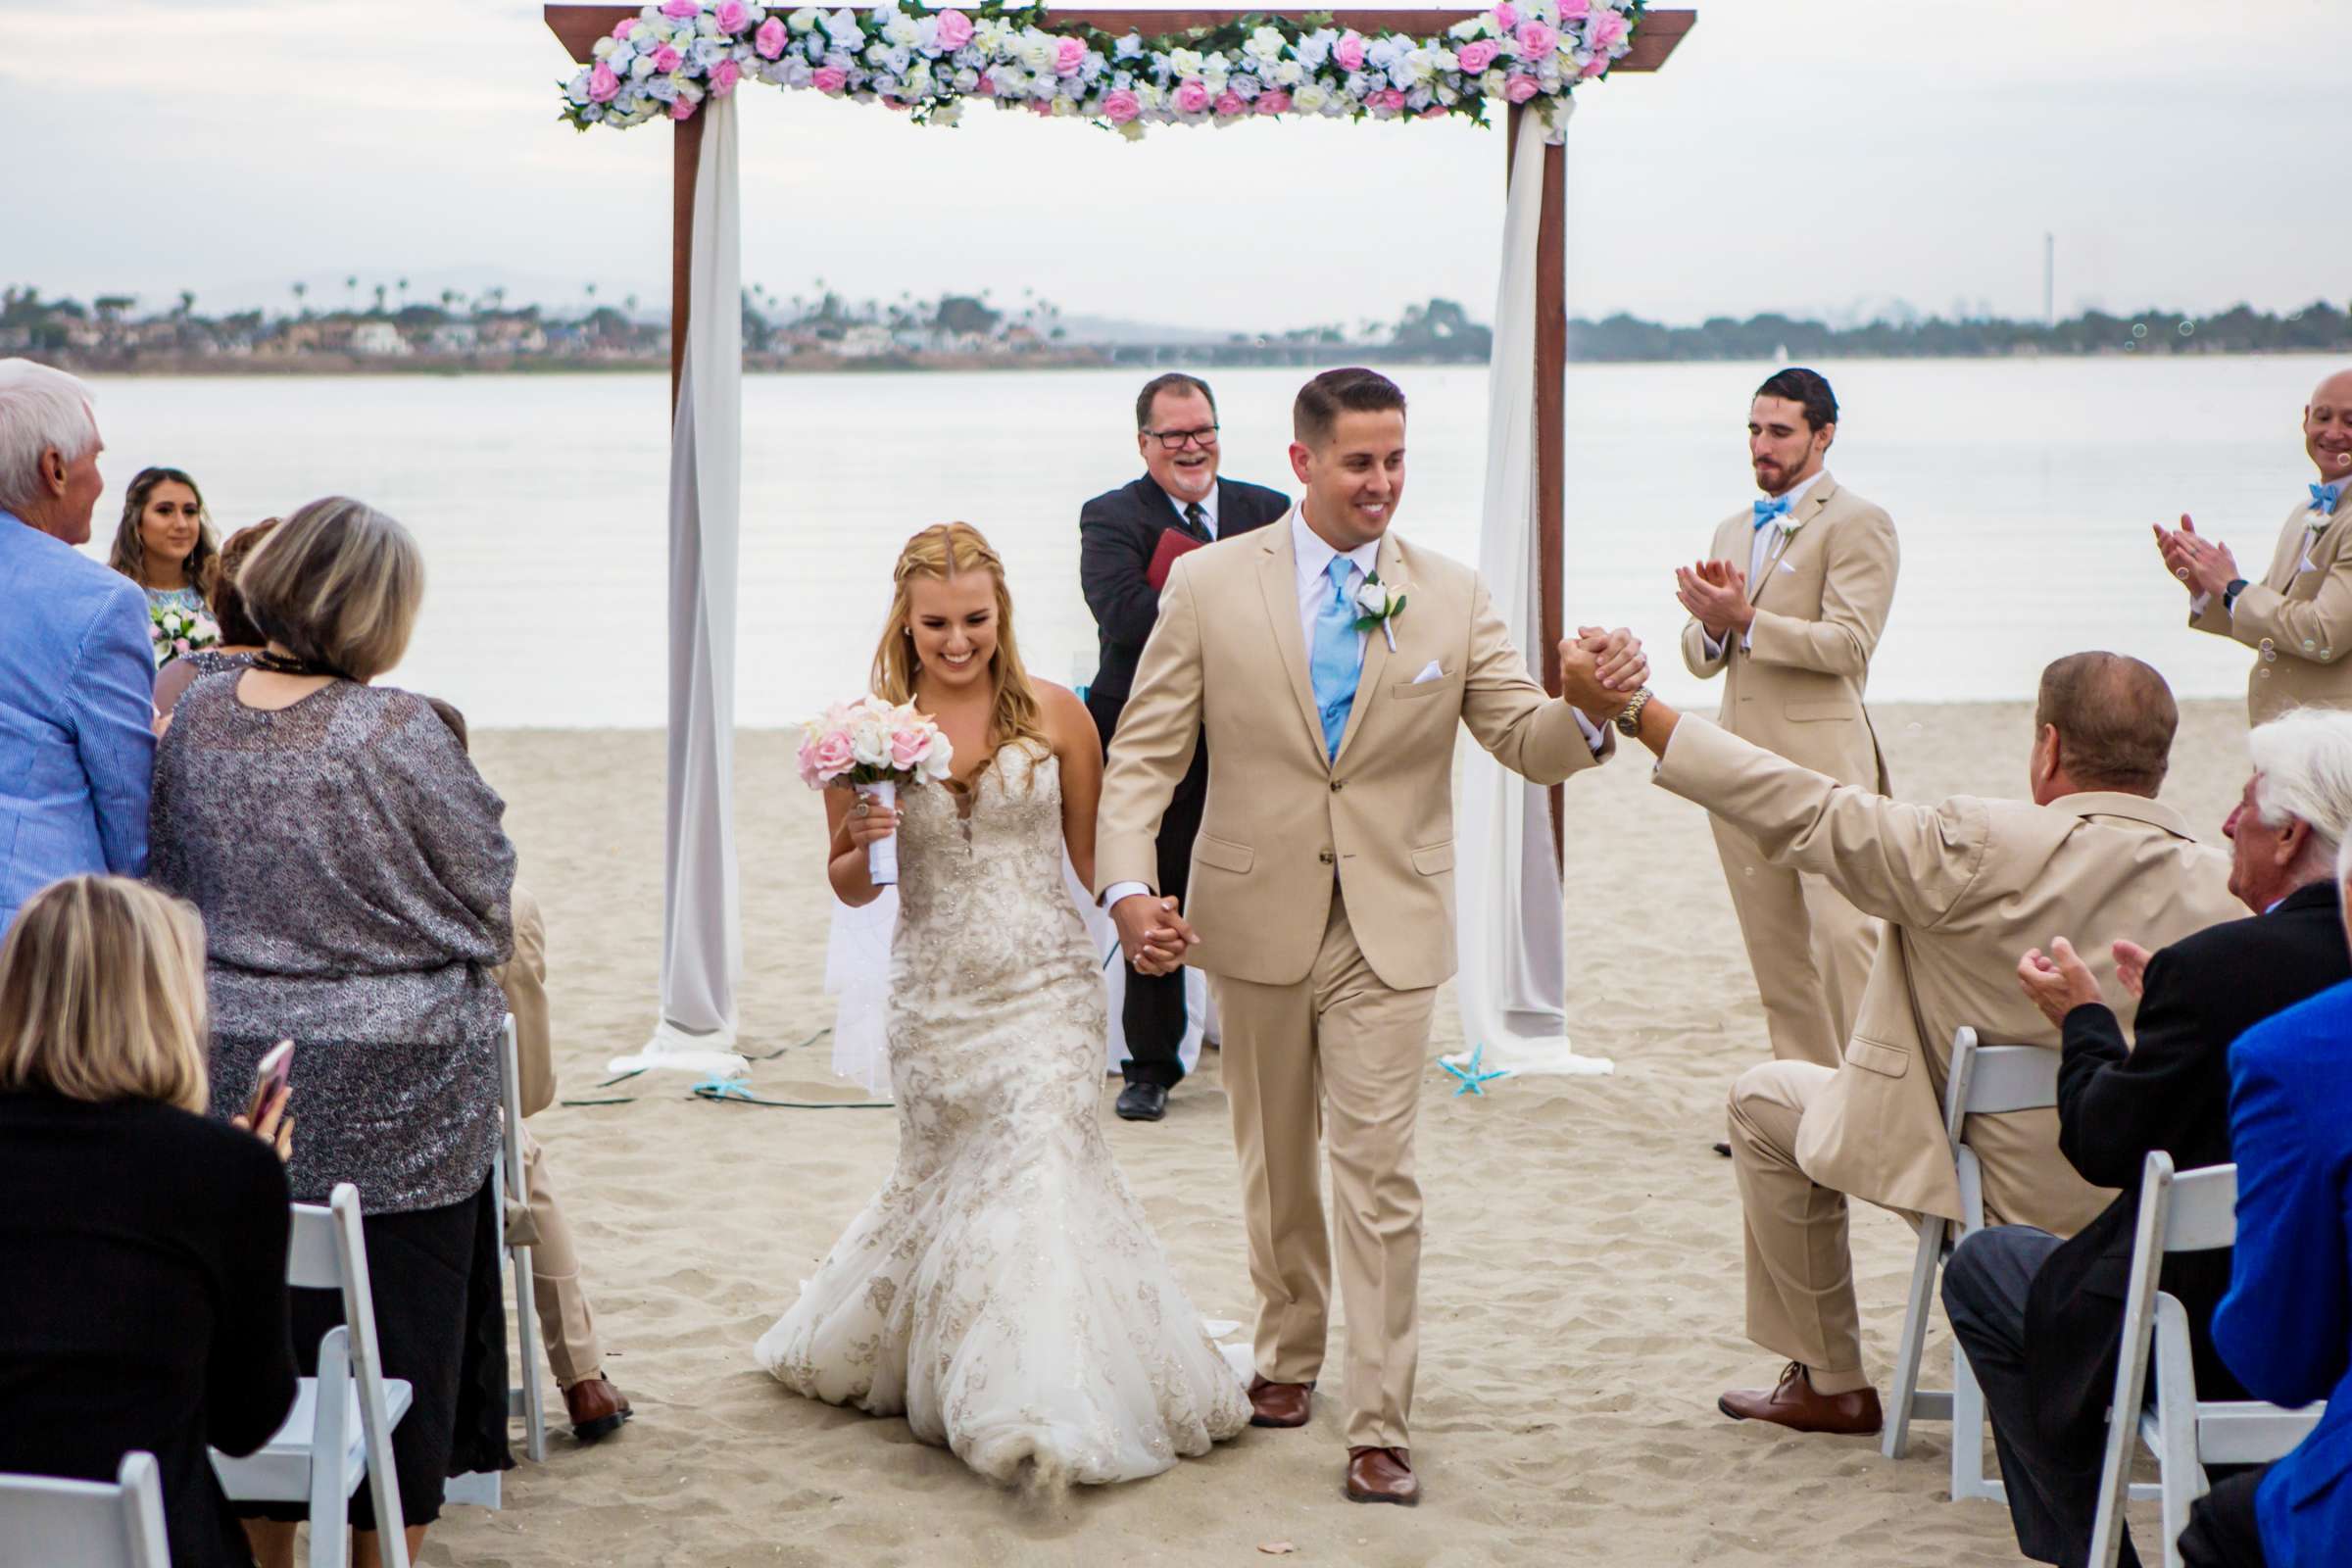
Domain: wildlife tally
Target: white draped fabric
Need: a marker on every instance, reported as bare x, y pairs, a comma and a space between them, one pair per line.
702, 929
1510, 923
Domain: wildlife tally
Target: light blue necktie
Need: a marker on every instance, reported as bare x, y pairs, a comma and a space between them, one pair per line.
1338, 657
2324, 497
1766, 511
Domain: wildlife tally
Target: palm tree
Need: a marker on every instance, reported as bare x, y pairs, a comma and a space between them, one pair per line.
300, 309
351, 293
379, 299
403, 293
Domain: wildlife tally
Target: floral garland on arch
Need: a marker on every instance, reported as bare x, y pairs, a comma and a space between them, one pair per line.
669, 57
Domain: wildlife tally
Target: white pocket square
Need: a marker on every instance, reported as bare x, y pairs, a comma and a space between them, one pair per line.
1428, 672
1790, 570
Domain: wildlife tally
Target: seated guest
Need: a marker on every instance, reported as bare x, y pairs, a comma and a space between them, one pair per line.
356, 887
240, 639
2286, 1327
164, 544
2043, 1319
1963, 886
142, 1247
566, 1321
75, 670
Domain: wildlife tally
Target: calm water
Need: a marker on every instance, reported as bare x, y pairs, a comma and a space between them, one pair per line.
2023, 493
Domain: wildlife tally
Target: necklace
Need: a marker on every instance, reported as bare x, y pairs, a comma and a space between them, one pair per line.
281, 664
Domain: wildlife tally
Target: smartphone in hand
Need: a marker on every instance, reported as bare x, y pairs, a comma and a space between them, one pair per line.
269, 1078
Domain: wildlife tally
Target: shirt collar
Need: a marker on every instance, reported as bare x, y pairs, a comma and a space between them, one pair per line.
1315, 556
1207, 504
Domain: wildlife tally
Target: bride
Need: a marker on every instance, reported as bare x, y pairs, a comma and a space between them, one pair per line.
1002, 1289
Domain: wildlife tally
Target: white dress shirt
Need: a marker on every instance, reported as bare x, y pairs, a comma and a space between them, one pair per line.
1761, 549
1208, 507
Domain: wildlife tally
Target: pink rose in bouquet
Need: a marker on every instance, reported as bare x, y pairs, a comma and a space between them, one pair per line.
665, 60
1476, 55
955, 30
769, 40
1606, 30
723, 78
1069, 57
733, 16
602, 83
1519, 89
1537, 40
1505, 17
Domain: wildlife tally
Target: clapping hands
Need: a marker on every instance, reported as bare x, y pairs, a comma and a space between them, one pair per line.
1715, 593
2057, 983
2204, 564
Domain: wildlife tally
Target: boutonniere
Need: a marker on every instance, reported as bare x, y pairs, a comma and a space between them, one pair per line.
1379, 603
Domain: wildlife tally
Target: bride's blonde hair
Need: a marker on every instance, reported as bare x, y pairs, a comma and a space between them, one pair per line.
940, 553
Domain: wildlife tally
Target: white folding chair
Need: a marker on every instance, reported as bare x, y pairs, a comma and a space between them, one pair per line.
2193, 1212
339, 1432
1983, 1081
90, 1524
526, 1399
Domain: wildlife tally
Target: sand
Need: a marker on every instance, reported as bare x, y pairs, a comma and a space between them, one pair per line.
1580, 1291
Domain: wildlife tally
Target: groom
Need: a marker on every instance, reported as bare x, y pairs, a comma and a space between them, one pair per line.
1322, 879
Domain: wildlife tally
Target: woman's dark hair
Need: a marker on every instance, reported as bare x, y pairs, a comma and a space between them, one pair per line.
129, 555
237, 629
1807, 387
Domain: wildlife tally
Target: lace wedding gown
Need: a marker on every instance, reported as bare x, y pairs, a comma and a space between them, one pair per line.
1003, 1290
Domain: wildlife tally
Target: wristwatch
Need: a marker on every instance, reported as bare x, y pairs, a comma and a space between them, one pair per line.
1629, 722
2237, 585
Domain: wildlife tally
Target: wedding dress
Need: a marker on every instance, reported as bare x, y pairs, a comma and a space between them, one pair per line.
1003, 1290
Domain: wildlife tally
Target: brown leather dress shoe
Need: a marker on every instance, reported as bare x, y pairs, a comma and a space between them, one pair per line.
597, 1409
1793, 1404
1382, 1475
1279, 1404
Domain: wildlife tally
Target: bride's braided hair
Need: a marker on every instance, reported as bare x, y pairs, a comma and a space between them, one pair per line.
940, 551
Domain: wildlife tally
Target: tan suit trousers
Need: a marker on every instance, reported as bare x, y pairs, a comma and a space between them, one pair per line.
1811, 951
1336, 1057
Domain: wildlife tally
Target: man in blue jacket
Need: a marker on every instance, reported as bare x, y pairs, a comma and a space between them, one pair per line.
2286, 1327
76, 668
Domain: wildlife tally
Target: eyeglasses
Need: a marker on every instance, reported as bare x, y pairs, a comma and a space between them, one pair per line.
1174, 440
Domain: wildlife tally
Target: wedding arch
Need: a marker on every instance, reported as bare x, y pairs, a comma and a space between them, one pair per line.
686, 60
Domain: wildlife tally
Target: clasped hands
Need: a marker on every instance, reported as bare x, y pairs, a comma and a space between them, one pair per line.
1154, 935
2059, 981
2204, 564
1611, 666
1715, 593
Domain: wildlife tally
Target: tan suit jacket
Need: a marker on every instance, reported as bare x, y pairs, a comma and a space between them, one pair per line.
1796, 688
1965, 887
1227, 660
2304, 616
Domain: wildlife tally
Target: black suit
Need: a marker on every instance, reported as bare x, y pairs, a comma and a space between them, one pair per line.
143, 1301
2168, 1090
1118, 533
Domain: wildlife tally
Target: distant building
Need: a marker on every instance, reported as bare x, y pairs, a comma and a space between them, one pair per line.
865, 342
378, 340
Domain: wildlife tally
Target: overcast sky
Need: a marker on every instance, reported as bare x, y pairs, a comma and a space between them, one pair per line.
1800, 155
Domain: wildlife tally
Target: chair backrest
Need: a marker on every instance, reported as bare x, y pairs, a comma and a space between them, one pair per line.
91, 1524
2200, 1208
1993, 1080
510, 1089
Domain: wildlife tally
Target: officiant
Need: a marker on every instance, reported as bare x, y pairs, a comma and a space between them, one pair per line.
1127, 539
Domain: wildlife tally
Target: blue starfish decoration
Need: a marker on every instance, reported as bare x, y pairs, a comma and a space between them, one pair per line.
1469, 1074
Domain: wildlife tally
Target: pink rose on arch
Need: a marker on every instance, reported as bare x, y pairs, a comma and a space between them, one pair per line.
1350, 51
665, 60
723, 78
1519, 89
1594, 66
1388, 98
682, 108
955, 30
1537, 40
625, 27
1043, 108
1069, 57
1434, 112
1191, 97
1120, 106
829, 78
602, 83
733, 16
1276, 102
986, 86
1606, 30
1575, 10
1230, 103
1476, 55
769, 40
682, 10
1505, 17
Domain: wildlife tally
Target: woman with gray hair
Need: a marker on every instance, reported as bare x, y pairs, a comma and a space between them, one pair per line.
356, 884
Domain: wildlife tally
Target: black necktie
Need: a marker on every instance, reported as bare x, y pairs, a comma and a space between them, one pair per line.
1196, 519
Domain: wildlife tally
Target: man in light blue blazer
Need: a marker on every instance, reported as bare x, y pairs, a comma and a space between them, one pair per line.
76, 668
2286, 1327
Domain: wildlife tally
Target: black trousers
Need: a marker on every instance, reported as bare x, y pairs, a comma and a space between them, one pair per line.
2221, 1530
2053, 1492
1152, 1017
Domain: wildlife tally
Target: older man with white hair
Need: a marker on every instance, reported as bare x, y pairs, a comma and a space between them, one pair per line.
76, 667
2042, 1319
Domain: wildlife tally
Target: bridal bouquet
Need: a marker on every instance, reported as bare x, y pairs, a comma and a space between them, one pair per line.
175, 631
875, 747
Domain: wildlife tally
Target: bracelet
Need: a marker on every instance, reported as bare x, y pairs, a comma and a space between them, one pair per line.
1629, 722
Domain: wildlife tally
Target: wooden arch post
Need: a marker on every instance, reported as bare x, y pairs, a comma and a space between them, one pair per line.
1655, 36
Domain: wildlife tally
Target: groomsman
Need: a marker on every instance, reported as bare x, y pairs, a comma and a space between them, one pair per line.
2298, 617
1788, 610
1119, 535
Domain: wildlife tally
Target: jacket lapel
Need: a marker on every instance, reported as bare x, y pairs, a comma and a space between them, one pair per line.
1390, 563
1278, 584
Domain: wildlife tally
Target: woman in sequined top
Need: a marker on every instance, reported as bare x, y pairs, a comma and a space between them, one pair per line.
356, 887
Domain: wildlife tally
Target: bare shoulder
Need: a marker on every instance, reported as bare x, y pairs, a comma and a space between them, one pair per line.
1058, 705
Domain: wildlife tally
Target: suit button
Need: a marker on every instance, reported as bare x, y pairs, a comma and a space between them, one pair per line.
1324, 855
1337, 785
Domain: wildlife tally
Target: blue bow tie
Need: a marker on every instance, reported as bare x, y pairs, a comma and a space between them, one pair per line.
1767, 511
2324, 497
